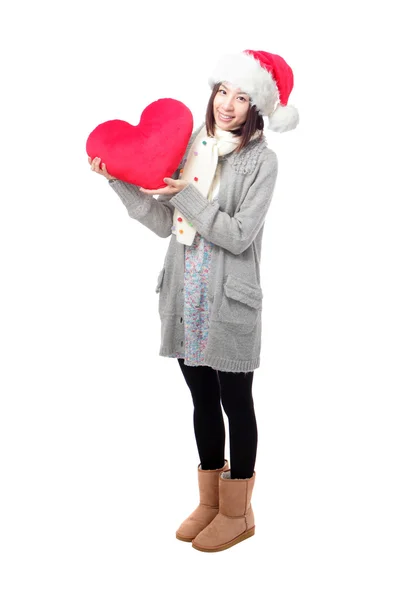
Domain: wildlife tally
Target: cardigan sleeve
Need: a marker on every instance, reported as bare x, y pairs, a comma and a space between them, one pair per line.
236, 233
156, 215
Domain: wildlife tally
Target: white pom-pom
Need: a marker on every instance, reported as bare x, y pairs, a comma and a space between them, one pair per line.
284, 118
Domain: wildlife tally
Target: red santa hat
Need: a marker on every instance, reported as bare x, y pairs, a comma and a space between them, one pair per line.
268, 80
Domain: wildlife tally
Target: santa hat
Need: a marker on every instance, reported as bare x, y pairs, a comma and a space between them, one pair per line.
268, 80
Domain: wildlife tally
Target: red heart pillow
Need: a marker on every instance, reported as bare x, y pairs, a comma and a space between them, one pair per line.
146, 153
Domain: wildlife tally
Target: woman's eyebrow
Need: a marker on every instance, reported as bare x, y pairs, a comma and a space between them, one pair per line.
240, 92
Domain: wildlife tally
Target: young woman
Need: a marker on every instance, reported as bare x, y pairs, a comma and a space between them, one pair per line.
210, 299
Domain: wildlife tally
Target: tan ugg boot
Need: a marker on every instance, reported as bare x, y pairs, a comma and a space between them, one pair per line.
235, 519
208, 507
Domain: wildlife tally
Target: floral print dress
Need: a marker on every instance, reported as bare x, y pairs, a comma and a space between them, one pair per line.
196, 310
196, 305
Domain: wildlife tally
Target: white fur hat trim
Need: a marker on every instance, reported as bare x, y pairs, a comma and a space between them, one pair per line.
244, 71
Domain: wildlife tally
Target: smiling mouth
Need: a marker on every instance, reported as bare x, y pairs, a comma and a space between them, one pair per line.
224, 117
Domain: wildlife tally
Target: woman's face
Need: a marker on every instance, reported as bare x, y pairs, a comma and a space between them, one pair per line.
231, 106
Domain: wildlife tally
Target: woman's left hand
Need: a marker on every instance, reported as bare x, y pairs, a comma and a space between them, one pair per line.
173, 187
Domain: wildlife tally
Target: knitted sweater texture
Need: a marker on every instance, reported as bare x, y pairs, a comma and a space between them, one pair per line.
234, 223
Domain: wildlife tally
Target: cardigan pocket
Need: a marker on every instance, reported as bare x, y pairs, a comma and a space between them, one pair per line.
241, 304
159, 290
166, 304
160, 280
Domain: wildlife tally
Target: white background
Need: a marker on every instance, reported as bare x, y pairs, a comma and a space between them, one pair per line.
98, 457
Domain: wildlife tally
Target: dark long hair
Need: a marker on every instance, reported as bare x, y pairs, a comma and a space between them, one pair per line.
254, 121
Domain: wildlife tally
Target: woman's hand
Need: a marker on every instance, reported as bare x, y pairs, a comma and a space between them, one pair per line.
99, 167
173, 187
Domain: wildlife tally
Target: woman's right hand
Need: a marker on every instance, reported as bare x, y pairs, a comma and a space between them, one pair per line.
99, 167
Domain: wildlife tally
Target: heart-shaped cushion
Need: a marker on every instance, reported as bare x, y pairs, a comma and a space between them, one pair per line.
144, 154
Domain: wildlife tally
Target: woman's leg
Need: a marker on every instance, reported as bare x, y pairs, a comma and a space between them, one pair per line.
237, 401
208, 420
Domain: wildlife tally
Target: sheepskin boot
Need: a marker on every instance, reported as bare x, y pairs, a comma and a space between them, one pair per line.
208, 507
235, 519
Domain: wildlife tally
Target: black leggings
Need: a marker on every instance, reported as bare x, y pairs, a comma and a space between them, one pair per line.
210, 388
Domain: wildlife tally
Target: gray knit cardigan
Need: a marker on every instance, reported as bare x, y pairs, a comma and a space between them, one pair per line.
234, 222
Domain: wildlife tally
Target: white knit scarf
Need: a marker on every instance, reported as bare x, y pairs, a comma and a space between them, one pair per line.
200, 169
